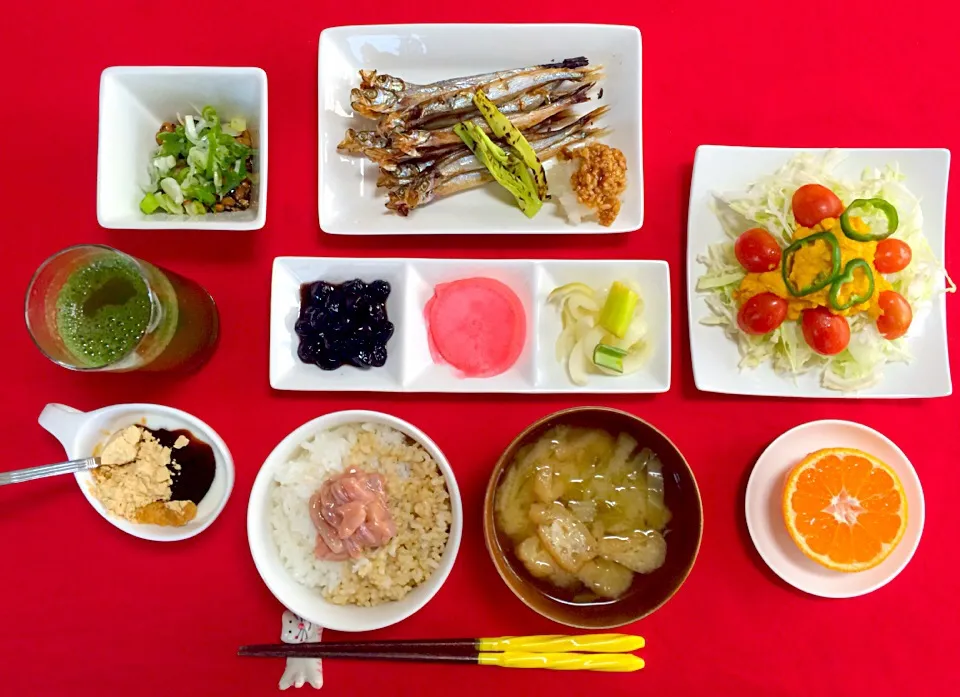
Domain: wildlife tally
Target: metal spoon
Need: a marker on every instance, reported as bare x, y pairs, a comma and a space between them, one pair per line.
71, 467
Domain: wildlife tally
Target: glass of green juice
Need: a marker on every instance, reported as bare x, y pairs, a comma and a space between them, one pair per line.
94, 308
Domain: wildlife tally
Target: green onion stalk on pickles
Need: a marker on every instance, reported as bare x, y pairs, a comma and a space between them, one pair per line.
519, 171
609, 357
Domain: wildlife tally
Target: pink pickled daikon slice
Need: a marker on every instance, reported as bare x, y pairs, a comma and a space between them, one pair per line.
476, 325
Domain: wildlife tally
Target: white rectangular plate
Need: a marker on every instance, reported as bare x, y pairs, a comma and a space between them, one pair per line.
349, 202
410, 367
722, 169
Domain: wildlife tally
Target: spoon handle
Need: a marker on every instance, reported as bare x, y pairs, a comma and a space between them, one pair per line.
25, 475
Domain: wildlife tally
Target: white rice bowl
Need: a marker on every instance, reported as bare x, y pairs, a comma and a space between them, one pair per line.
308, 602
416, 497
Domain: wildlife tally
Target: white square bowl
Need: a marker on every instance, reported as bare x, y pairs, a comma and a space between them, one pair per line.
135, 101
349, 202
721, 169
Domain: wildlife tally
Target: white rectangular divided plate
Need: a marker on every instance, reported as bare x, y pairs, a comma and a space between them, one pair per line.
410, 367
349, 202
721, 169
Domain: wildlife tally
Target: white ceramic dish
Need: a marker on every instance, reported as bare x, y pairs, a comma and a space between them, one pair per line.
308, 603
765, 516
135, 101
722, 169
80, 432
349, 202
410, 367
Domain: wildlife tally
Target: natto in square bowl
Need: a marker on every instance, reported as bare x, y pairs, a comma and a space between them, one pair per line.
134, 103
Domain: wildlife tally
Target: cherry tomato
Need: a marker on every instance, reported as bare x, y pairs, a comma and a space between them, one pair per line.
827, 333
892, 255
812, 203
896, 317
757, 251
762, 313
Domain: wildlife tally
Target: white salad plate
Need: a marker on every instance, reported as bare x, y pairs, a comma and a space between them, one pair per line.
134, 103
764, 508
410, 366
726, 169
81, 433
350, 203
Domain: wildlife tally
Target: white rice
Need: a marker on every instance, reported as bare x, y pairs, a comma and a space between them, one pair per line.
316, 459
417, 499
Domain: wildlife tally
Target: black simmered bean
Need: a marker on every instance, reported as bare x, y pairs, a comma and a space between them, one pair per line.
344, 324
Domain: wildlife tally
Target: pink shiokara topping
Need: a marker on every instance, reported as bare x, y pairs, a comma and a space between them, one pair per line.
350, 514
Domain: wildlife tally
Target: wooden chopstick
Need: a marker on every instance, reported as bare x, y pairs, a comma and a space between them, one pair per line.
597, 652
544, 643
603, 662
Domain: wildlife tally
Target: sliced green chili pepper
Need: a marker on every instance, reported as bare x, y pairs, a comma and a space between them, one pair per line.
848, 277
889, 212
823, 279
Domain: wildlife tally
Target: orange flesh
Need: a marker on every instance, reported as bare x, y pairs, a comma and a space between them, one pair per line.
845, 509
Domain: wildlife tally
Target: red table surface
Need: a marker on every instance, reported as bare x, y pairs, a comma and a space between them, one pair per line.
87, 610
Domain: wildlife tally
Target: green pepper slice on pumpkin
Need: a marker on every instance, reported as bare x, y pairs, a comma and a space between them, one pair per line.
848, 277
823, 279
868, 207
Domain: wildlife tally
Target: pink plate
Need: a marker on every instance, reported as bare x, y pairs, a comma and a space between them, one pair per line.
765, 517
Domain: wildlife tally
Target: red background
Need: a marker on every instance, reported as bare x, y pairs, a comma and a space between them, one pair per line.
88, 610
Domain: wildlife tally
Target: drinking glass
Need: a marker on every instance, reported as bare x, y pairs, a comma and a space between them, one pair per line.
94, 308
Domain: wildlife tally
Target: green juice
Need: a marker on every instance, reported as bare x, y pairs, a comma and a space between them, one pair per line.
103, 311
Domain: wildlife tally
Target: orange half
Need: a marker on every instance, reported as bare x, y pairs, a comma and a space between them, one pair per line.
844, 508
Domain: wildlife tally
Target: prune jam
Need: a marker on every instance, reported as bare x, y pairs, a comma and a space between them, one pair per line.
344, 324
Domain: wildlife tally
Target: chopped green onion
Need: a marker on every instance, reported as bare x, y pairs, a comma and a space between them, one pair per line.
609, 357
149, 204
209, 115
194, 208
172, 189
169, 205
196, 164
617, 312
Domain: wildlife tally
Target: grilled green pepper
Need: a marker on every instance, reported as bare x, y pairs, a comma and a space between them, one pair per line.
848, 277
507, 169
823, 279
505, 130
868, 206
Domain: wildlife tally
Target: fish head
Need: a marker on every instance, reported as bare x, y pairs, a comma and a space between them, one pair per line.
372, 99
408, 142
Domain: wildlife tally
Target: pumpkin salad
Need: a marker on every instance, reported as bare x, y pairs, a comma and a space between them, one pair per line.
809, 282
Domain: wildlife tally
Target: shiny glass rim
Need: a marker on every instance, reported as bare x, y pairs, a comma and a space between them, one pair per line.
154, 306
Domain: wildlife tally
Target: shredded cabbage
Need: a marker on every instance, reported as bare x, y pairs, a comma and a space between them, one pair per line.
767, 203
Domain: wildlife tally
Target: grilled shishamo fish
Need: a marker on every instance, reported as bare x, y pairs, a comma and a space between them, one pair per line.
453, 175
498, 91
381, 94
413, 142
